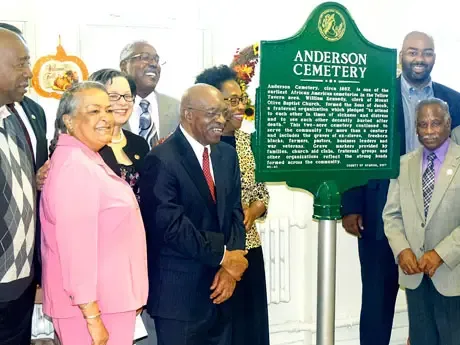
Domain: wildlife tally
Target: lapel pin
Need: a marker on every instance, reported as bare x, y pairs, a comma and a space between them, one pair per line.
33, 117
137, 157
449, 171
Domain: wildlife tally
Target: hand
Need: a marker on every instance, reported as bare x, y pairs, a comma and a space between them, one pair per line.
97, 331
235, 263
162, 140
408, 262
223, 285
430, 262
42, 174
353, 224
249, 218
38, 295
138, 311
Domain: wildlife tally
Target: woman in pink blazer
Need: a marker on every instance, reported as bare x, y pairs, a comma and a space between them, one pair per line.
93, 239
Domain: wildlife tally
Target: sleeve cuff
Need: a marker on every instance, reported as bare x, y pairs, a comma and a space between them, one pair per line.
223, 256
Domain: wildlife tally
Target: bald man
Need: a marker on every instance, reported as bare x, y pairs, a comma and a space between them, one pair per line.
191, 205
362, 207
18, 197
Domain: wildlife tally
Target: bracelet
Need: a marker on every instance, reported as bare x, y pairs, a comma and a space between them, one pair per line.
92, 316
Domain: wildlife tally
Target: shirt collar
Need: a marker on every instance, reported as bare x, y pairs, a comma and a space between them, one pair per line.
410, 90
68, 140
440, 152
197, 147
4, 112
151, 98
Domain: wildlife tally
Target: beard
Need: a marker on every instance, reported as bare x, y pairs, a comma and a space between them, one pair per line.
416, 77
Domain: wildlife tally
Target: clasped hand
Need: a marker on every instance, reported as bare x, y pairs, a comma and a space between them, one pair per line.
224, 283
428, 263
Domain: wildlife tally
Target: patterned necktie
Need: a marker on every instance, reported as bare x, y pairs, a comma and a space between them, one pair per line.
146, 125
207, 174
428, 182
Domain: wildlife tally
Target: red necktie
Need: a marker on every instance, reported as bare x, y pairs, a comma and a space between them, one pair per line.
207, 174
24, 128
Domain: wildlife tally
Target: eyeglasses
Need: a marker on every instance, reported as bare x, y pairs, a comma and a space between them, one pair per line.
147, 58
214, 114
235, 100
114, 97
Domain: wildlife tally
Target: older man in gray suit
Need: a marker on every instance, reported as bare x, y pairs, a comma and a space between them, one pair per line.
422, 223
155, 115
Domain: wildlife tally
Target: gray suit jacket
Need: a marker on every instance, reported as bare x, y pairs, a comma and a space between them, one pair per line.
455, 135
406, 227
169, 114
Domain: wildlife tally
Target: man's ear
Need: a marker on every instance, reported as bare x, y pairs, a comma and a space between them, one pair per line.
123, 66
188, 115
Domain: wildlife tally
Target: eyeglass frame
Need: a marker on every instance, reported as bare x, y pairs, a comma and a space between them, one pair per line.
239, 99
156, 60
120, 96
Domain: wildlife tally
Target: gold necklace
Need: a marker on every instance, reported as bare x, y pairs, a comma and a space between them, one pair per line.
117, 141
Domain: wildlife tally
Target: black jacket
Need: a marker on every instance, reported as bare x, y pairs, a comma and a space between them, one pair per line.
136, 149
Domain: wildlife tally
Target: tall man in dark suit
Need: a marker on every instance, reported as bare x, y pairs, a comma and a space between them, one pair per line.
20, 140
191, 205
362, 206
34, 120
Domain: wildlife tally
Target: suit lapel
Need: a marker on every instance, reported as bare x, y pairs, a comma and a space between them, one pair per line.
220, 176
193, 168
162, 113
32, 118
415, 177
446, 173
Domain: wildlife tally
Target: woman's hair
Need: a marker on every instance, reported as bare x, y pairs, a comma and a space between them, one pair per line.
68, 106
216, 76
106, 76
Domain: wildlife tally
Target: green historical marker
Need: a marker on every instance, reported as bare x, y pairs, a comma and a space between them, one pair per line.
325, 122
325, 108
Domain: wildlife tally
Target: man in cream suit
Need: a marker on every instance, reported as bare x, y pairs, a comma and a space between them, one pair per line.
155, 115
422, 223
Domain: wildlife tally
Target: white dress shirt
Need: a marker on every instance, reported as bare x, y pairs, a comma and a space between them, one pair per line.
198, 149
153, 111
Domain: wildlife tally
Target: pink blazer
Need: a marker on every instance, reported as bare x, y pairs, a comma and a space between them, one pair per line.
93, 238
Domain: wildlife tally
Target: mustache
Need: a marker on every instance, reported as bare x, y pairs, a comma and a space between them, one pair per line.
419, 64
424, 137
151, 70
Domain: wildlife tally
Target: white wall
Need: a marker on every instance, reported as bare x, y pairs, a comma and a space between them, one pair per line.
193, 34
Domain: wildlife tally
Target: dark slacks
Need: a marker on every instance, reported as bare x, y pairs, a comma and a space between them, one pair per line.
16, 318
214, 329
379, 276
250, 313
434, 319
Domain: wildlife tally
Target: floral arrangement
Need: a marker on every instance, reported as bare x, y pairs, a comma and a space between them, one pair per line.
244, 64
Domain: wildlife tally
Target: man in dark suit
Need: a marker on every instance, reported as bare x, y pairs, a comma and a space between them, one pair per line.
34, 119
21, 140
362, 207
191, 206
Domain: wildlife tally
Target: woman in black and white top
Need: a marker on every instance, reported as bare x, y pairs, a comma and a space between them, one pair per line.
126, 153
